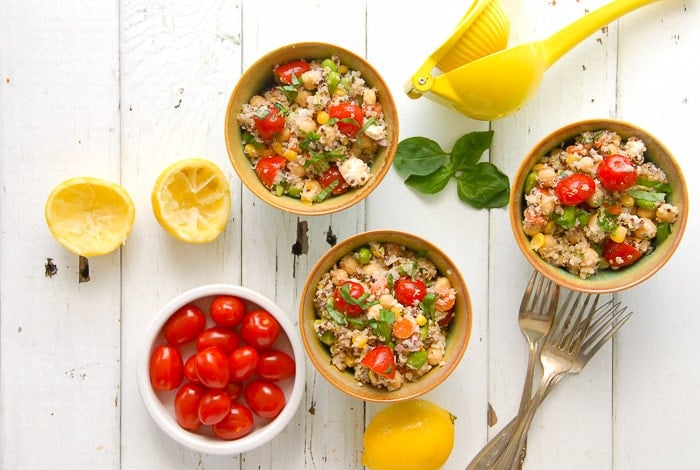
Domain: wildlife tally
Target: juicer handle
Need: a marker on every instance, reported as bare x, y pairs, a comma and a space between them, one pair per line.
562, 41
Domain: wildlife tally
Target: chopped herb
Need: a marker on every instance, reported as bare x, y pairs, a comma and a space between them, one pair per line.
337, 317
323, 194
427, 305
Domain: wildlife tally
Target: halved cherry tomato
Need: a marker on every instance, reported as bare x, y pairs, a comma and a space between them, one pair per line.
214, 406
265, 398
222, 337
259, 329
618, 255
349, 116
617, 173
409, 291
227, 310
269, 122
275, 365
237, 423
333, 174
242, 363
575, 189
381, 360
187, 406
211, 366
342, 303
285, 72
184, 325
166, 368
267, 169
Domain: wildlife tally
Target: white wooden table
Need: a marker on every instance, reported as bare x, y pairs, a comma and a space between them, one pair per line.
120, 89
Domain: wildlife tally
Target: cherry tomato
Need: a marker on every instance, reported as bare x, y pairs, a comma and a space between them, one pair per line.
618, 255
234, 390
267, 169
260, 329
617, 173
211, 366
409, 291
333, 174
214, 406
242, 363
227, 310
575, 189
269, 122
237, 423
190, 371
285, 72
381, 360
166, 368
275, 365
184, 325
220, 336
349, 116
265, 398
187, 406
355, 290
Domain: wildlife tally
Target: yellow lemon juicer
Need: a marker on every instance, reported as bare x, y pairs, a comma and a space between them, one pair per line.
497, 83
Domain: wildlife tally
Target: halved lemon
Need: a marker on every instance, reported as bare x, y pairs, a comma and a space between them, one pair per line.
192, 200
89, 216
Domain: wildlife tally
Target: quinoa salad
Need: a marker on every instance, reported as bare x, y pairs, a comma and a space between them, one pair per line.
384, 310
315, 133
596, 203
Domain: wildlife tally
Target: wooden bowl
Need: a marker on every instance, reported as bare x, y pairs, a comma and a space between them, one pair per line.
259, 76
457, 336
608, 280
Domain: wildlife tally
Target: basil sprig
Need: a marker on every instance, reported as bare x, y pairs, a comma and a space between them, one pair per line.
429, 168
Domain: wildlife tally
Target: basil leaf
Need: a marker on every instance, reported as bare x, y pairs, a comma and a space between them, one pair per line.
647, 195
468, 149
432, 183
427, 305
483, 186
662, 232
419, 156
337, 317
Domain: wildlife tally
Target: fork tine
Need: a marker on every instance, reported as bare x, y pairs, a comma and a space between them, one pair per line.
609, 322
528, 298
574, 318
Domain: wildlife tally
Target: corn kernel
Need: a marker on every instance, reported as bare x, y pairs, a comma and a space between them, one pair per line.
537, 167
289, 154
537, 241
349, 361
310, 191
619, 235
322, 117
250, 150
359, 341
396, 310
571, 158
277, 147
339, 92
648, 213
627, 200
421, 320
342, 68
549, 226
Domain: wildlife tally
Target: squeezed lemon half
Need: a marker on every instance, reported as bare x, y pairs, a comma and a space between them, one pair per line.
192, 200
89, 216
413, 434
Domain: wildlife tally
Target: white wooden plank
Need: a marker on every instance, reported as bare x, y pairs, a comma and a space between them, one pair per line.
572, 428
398, 44
268, 262
59, 369
656, 378
179, 63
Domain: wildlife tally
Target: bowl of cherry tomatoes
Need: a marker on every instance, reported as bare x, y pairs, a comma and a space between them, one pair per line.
222, 369
599, 205
311, 128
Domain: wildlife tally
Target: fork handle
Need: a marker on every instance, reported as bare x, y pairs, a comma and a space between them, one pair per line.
487, 456
511, 456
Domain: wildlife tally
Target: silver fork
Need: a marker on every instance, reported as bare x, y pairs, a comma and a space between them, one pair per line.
557, 357
607, 319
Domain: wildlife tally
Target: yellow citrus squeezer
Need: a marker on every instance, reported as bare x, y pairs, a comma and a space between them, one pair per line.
492, 82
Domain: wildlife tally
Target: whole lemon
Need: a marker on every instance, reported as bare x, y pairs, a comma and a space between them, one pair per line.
412, 434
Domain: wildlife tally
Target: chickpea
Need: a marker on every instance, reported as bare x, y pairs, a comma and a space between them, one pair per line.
302, 96
257, 100
306, 125
338, 276
646, 229
442, 283
545, 177
386, 301
369, 96
350, 264
666, 213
